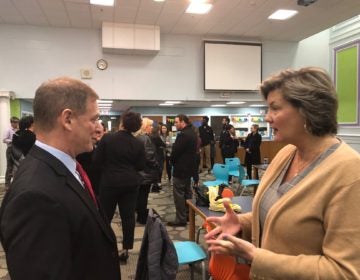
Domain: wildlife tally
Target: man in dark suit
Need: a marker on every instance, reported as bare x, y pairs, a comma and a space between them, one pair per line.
51, 225
183, 158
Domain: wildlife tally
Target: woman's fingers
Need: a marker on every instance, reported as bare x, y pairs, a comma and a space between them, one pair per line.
214, 233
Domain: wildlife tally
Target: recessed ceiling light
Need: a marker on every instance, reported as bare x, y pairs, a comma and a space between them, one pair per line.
166, 104
235, 102
198, 7
218, 105
283, 14
102, 2
159, 0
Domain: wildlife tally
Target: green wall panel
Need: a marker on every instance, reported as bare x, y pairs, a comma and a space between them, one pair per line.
346, 84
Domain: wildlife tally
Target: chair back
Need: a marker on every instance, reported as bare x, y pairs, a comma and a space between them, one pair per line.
221, 172
232, 163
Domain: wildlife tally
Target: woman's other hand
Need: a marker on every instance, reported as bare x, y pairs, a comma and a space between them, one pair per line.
231, 245
227, 224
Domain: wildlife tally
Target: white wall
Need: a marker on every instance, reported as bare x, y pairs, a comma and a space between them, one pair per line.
34, 54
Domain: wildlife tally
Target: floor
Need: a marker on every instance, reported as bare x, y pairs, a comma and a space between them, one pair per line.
163, 203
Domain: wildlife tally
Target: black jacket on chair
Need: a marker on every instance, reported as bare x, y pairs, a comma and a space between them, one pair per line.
50, 227
157, 259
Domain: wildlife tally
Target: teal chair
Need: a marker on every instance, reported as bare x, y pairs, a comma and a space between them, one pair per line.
221, 173
189, 253
246, 182
233, 164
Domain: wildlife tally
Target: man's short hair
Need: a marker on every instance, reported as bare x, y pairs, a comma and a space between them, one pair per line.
184, 118
14, 119
206, 118
54, 96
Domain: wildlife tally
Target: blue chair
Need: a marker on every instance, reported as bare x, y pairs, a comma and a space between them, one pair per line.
234, 165
221, 173
246, 182
189, 252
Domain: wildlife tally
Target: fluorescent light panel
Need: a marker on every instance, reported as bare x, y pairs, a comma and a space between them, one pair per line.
102, 2
258, 105
172, 102
104, 101
218, 105
166, 104
198, 7
283, 14
235, 102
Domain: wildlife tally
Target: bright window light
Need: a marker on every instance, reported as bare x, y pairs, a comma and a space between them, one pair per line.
218, 105
166, 104
102, 2
283, 14
199, 7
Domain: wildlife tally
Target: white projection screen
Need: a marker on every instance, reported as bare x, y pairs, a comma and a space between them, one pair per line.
232, 66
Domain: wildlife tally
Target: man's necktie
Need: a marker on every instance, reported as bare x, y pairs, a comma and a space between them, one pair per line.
87, 184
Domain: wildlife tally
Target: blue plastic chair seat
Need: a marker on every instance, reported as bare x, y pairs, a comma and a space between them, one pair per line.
189, 252
221, 173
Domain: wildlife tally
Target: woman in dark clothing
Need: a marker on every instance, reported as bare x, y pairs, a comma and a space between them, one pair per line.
22, 141
230, 143
166, 138
252, 148
160, 148
150, 174
121, 156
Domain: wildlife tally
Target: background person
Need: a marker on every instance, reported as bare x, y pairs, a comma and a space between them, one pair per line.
50, 225
121, 157
166, 138
252, 149
150, 174
207, 138
7, 139
303, 224
183, 158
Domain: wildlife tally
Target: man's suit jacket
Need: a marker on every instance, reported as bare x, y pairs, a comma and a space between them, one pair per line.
51, 229
183, 155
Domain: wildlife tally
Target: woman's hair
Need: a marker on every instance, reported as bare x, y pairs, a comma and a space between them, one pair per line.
131, 121
256, 126
167, 130
145, 123
26, 122
310, 90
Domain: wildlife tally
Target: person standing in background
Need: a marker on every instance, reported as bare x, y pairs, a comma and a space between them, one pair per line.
150, 174
207, 138
183, 158
121, 157
7, 139
160, 148
164, 134
252, 149
224, 138
22, 141
51, 224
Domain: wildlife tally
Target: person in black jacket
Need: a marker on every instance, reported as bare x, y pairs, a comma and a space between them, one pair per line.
183, 158
150, 174
121, 157
224, 138
207, 138
252, 148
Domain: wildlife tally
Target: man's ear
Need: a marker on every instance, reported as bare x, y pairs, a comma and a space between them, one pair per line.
66, 118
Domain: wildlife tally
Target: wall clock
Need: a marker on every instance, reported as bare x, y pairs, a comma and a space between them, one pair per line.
101, 64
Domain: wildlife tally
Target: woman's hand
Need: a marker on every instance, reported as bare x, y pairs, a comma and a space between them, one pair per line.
227, 224
231, 245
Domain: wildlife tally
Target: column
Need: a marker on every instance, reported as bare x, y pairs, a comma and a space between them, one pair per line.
5, 97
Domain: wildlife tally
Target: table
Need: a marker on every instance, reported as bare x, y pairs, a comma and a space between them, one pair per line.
244, 201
